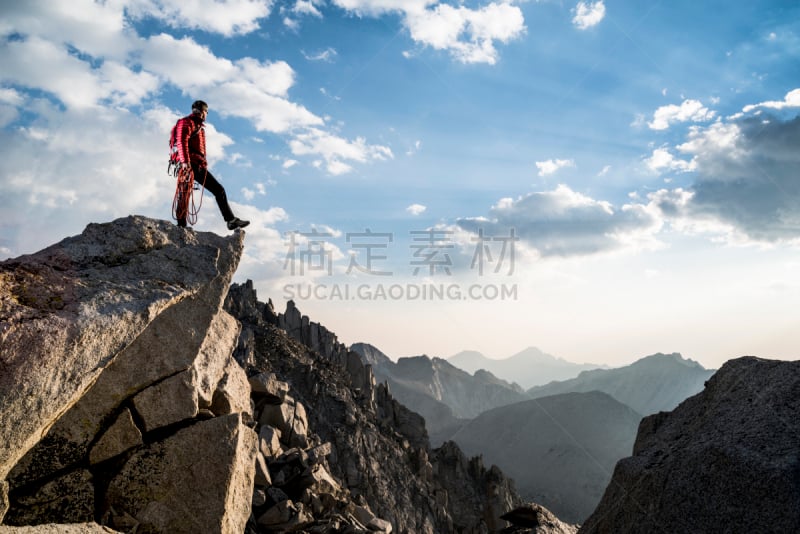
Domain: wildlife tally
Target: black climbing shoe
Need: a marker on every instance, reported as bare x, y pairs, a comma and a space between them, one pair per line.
236, 222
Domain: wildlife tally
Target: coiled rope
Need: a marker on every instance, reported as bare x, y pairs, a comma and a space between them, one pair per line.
183, 205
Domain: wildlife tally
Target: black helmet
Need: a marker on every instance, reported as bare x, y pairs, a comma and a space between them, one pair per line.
199, 106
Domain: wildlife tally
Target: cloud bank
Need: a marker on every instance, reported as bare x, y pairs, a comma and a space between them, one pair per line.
743, 189
468, 35
564, 223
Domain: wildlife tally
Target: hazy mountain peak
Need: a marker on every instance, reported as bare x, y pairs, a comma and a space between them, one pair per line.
671, 358
529, 367
535, 354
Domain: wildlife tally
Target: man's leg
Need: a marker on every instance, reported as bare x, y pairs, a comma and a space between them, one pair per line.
207, 180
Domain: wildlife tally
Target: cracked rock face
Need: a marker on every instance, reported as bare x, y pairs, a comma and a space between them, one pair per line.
120, 400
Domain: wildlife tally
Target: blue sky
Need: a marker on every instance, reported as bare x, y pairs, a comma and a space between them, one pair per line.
642, 154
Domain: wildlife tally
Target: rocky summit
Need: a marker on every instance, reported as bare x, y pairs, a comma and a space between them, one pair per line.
120, 401
138, 394
725, 460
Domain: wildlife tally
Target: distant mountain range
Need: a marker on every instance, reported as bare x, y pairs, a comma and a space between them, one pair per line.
560, 450
655, 383
443, 394
528, 368
558, 441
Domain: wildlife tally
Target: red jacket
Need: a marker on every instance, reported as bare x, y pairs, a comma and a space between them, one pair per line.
190, 140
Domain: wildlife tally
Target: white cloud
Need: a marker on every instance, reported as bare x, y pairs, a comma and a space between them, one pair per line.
274, 78
415, 148
337, 167
604, 170
327, 229
183, 62
247, 88
289, 163
719, 142
259, 189
292, 24
265, 111
376, 8
95, 28
639, 120
469, 35
239, 159
791, 100
550, 166
38, 63
11, 96
335, 149
416, 209
306, 7
689, 110
328, 55
227, 17
588, 14
661, 159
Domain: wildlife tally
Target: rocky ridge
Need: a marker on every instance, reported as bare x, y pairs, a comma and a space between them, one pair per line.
378, 448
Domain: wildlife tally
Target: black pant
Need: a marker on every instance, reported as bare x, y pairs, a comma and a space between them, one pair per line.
207, 180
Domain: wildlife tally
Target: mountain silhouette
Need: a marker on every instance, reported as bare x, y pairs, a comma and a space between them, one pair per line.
652, 384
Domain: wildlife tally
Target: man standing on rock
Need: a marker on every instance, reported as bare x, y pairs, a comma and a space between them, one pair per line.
188, 145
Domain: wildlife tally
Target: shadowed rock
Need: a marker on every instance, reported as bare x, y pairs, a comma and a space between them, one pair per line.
725, 460
205, 487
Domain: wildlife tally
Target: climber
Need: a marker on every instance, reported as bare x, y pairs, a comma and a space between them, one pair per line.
188, 154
